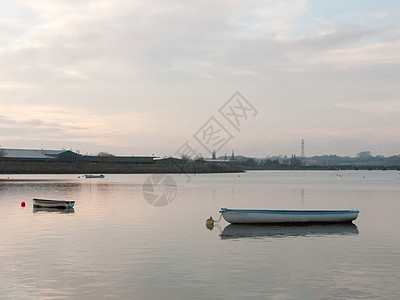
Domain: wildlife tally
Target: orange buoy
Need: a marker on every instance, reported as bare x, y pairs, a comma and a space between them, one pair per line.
23, 204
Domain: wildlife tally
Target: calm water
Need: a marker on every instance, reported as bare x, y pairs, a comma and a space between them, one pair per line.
115, 245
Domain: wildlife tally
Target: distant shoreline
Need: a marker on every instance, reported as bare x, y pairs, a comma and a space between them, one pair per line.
113, 168
156, 168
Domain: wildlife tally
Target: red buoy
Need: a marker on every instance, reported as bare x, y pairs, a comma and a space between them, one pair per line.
23, 203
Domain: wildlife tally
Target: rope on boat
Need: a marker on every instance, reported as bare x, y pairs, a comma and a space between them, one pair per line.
218, 227
219, 219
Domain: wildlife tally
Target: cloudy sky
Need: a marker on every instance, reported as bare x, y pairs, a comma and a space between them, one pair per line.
143, 77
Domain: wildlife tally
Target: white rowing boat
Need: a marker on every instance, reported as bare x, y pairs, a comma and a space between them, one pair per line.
259, 216
94, 176
52, 203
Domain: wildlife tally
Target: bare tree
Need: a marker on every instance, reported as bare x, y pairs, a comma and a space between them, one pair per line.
185, 157
364, 154
106, 157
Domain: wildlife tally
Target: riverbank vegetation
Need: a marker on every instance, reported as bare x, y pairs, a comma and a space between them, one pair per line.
164, 166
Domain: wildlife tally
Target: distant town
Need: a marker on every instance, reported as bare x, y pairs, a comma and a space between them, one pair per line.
31, 161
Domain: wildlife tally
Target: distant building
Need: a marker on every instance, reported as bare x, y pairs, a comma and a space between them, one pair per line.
31, 155
68, 156
122, 159
218, 161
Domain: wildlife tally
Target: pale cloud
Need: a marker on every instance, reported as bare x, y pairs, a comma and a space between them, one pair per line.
70, 125
372, 107
272, 19
379, 15
378, 54
13, 85
149, 73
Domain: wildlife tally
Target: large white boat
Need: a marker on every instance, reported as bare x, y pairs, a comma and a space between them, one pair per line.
259, 216
52, 203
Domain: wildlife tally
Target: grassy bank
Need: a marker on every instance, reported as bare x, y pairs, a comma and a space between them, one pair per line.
111, 168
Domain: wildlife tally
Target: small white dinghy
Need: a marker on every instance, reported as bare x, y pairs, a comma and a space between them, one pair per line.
259, 216
94, 176
52, 203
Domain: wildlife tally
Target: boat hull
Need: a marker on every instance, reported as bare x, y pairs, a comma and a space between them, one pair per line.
94, 176
52, 203
57, 210
253, 216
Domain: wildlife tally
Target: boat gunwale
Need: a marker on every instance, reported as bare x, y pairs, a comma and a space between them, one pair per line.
53, 201
282, 211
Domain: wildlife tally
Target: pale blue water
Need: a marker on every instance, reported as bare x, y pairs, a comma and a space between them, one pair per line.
116, 245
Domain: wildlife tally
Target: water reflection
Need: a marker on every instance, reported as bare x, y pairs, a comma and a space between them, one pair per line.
236, 231
53, 210
41, 189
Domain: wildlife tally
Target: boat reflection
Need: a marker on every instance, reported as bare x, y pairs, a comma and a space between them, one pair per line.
237, 231
54, 210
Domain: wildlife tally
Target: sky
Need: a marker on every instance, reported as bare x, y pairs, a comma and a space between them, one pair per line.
167, 77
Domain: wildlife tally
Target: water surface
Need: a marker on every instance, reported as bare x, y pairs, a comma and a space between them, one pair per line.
114, 244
